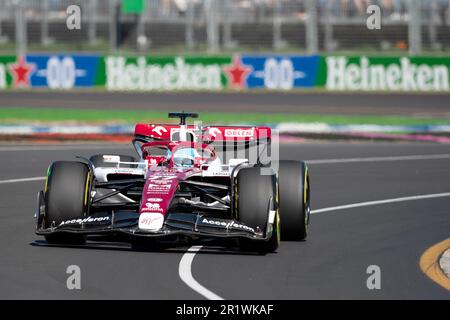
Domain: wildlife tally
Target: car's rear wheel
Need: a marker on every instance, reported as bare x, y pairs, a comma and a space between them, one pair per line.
98, 161
66, 198
294, 191
256, 196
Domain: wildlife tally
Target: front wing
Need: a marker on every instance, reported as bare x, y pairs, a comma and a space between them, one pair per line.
176, 224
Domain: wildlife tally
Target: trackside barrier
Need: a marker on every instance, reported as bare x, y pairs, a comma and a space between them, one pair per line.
237, 72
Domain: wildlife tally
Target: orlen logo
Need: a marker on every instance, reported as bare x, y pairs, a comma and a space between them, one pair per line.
243, 133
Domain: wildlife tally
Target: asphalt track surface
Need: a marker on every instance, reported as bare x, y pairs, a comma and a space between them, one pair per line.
332, 262
435, 105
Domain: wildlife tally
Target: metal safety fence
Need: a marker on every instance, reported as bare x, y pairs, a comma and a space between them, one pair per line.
214, 26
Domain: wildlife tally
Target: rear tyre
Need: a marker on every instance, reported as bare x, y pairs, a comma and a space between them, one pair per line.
294, 191
256, 194
97, 161
66, 198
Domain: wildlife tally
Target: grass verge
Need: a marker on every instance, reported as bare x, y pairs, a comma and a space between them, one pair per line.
13, 115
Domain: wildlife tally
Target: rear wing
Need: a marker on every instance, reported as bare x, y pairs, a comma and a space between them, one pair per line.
208, 134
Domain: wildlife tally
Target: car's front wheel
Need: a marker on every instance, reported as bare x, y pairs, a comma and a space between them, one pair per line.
256, 201
66, 197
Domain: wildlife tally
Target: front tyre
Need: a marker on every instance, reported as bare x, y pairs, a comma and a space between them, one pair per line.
66, 197
293, 179
256, 196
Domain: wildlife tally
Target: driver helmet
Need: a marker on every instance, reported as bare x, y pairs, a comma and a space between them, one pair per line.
184, 157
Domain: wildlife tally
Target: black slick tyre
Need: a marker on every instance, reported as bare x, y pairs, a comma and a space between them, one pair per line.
66, 198
256, 195
294, 204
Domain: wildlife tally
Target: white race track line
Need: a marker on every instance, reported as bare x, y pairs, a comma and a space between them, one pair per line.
64, 147
22, 180
373, 203
382, 159
184, 268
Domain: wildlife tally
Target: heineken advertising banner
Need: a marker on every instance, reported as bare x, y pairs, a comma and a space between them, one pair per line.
63, 72
210, 73
283, 72
273, 72
165, 73
48, 71
384, 73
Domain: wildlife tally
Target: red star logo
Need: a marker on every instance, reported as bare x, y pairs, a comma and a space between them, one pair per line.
237, 73
21, 72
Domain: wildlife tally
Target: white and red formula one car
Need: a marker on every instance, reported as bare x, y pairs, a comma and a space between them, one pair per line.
189, 182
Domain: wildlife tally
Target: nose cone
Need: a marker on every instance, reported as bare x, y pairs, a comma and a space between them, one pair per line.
158, 193
151, 221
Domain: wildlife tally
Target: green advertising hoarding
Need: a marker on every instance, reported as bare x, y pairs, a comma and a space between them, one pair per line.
5, 75
360, 73
162, 73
